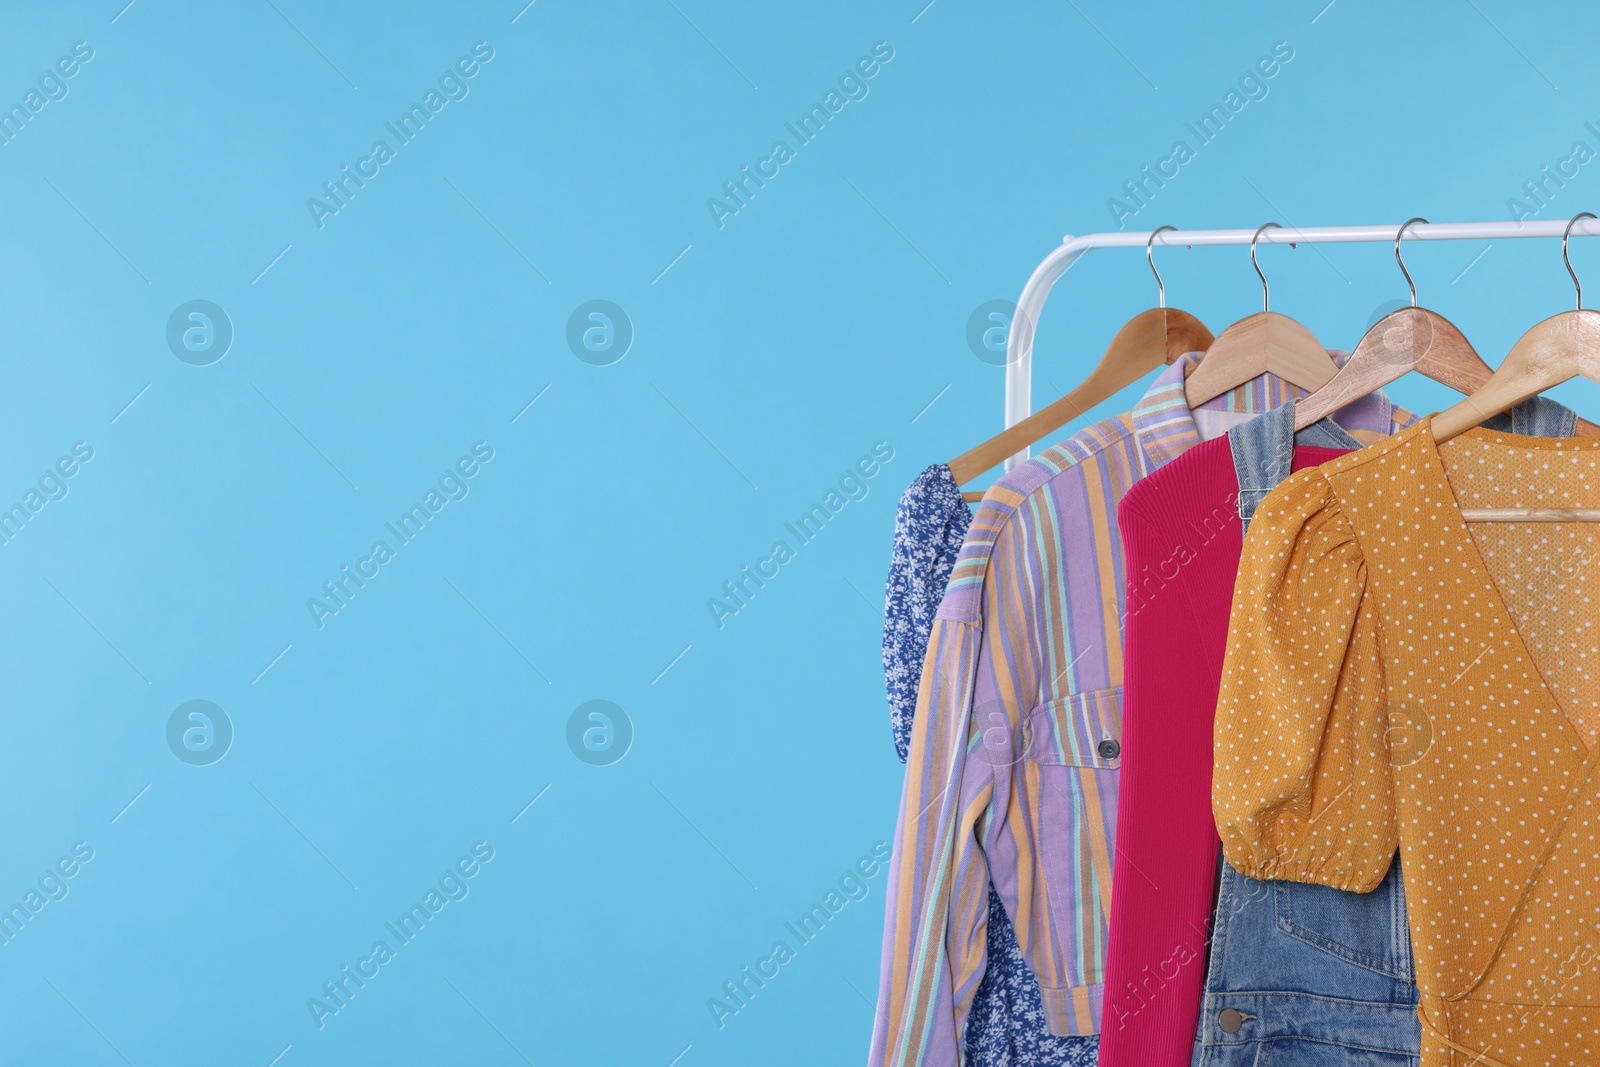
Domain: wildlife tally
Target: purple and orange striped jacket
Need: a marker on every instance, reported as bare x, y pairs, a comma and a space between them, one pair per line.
1012, 773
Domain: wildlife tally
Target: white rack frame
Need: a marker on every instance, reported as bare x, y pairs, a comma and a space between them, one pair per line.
1019, 341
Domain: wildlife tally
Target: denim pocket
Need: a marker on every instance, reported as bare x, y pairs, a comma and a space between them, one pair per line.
1365, 929
1293, 1053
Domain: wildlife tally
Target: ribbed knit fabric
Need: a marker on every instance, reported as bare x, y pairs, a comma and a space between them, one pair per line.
1176, 633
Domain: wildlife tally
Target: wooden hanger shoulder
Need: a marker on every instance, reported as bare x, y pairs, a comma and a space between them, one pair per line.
1263, 343
1446, 356
1150, 339
1410, 339
1169, 331
1561, 347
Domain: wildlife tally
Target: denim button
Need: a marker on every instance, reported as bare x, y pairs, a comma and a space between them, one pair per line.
1230, 1019
1109, 749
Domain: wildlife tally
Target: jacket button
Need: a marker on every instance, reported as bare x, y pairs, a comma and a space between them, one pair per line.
1109, 748
1230, 1019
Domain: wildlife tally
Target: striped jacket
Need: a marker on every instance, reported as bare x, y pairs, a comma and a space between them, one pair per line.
1012, 774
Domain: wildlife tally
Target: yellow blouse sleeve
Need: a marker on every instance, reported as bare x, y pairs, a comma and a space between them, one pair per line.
1302, 786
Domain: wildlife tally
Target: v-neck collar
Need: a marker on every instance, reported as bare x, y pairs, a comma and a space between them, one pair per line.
1456, 522
1579, 785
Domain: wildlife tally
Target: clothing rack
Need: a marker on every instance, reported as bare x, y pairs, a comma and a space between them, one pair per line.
1019, 341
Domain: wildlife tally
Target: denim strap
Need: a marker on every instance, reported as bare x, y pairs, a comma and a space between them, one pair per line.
1263, 448
1536, 417
1263, 452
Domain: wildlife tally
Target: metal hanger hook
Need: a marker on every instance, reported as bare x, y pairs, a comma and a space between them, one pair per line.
1151, 259
1257, 266
1397, 237
1576, 284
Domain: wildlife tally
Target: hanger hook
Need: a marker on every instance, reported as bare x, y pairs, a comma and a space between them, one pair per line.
1151, 259
1397, 237
1576, 284
1257, 266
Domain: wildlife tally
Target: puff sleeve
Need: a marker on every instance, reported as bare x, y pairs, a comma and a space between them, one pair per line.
1303, 787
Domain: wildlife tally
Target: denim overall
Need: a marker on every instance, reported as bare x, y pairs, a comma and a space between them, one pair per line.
1304, 975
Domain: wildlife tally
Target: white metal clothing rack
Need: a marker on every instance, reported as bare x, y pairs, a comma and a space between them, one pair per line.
1019, 341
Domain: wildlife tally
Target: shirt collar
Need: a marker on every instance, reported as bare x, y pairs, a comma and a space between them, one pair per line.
1166, 427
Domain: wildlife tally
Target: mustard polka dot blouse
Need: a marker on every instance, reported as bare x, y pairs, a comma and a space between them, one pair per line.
1397, 678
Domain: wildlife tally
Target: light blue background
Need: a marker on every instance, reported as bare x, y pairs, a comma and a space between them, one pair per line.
769, 355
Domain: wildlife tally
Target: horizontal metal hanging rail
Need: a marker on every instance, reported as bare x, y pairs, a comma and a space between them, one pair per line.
1019, 341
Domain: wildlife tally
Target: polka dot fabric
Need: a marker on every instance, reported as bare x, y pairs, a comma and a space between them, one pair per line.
1548, 573
1398, 678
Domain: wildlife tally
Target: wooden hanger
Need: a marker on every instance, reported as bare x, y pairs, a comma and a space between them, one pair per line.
1150, 339
1411, 339
1263, 343
1560, 348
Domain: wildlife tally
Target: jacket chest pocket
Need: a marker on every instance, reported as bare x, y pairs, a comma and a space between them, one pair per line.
1078, 730
1073, 750
1366, 929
